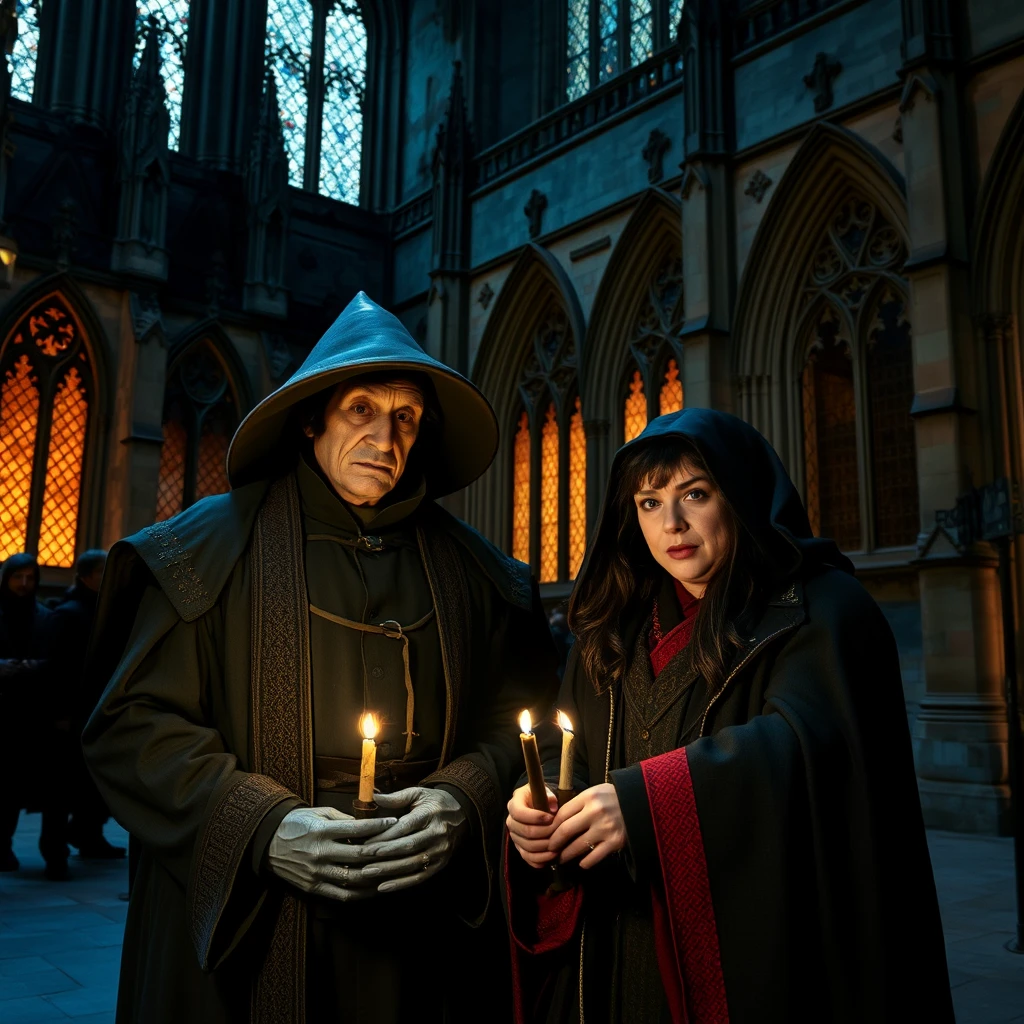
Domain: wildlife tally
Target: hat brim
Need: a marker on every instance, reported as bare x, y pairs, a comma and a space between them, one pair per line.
467, 443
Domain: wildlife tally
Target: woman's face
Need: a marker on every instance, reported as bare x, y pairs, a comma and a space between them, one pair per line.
685, 526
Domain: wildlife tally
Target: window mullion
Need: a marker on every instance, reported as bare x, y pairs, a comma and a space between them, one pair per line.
536, 485
564, 420
315, 91
595, 43
623, 34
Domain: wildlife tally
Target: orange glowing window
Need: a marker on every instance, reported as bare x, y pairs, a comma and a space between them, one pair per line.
200, 416
577, 491
170, 491
19, 422
58, 527
521, 491
549, 497
45, 397
671, 397
636, 407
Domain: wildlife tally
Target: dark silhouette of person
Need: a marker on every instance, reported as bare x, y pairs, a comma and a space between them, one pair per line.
73, 791
22, 680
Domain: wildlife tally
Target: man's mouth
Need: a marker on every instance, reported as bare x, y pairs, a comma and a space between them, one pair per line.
387, 470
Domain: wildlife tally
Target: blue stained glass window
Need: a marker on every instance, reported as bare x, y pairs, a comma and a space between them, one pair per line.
341, 139
675, 14
289, 44
172, 24
641, 30
23, 59
577, 68
608, 24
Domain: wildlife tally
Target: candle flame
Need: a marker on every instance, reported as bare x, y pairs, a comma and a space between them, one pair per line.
563, 722
369, 726
525, 722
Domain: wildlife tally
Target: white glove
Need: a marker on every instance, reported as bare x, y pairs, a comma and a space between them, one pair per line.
310, 851
420, 845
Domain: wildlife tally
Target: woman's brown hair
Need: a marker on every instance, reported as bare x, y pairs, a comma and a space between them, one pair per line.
622, 578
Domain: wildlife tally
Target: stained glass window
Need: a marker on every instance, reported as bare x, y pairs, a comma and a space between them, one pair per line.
577, 491
170, 492
171, 17
549, 497
890, 392
675, 15
341, 143
200, 416
830, 436
671, 396
19, 423
59, 526
289, 45
521, 491
26, 49
641, 30
635, 417
608, 33
577, 69
44, 408
854, 271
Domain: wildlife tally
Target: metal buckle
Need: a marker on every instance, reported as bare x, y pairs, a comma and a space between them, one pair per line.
371, 542
391, 634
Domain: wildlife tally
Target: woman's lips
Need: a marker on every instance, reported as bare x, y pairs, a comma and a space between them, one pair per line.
681, 551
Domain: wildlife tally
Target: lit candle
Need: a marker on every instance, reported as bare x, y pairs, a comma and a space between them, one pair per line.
568, 748
369, 763
534, 772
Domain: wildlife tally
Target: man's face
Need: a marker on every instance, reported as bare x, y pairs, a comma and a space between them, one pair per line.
369, 430
22, 582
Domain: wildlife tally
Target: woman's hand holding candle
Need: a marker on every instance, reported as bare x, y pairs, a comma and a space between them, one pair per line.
590, 824
530, 829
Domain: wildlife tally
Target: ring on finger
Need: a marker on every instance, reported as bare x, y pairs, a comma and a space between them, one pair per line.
592, 847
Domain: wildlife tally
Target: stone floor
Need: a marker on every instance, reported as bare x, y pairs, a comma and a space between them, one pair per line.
60, 942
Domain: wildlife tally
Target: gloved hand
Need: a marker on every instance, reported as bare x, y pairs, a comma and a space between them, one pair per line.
420, 845
309, 851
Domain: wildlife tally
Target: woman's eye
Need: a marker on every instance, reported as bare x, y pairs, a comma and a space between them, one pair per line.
648, 503
696, 494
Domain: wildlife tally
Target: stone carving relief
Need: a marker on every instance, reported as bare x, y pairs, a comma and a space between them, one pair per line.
658, 144
819, 81
534, 211
758, 186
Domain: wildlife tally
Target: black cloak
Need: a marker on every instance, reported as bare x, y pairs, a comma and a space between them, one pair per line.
775, 837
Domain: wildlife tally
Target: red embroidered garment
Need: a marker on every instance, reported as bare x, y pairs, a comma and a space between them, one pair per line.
664, 647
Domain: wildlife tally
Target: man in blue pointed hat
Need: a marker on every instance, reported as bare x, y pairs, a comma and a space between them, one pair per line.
246, 639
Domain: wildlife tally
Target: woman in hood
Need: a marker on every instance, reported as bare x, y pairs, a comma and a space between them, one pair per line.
747, 842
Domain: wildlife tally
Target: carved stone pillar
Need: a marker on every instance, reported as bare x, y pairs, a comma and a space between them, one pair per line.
143, 171
266, 194
448, 301
84, 59
219, 108
144, 439
708, 248
960, 731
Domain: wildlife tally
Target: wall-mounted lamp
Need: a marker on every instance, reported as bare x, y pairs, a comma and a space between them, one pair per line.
8, 258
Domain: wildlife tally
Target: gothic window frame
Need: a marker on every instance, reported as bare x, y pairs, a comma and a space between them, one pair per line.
549, 378
172, 40
213, 339
84, 354
655, 339
663, 35
318, 82
853, 285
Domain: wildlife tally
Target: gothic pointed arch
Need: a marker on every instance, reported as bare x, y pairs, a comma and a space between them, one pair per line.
532, 500
53, 415
205, 397
632, 370
823, 342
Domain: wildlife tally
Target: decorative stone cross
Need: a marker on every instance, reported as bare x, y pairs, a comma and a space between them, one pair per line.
757, 186
820, 81
486, 294
534, 210
658, 144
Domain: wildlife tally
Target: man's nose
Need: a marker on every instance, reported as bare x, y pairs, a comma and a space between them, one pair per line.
383, 433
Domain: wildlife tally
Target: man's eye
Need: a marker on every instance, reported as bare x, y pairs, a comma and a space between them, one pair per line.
360, 409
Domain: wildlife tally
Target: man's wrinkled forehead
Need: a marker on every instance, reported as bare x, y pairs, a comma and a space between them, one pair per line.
398, 388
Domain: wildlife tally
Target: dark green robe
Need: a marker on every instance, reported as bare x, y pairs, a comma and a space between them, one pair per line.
205, 738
